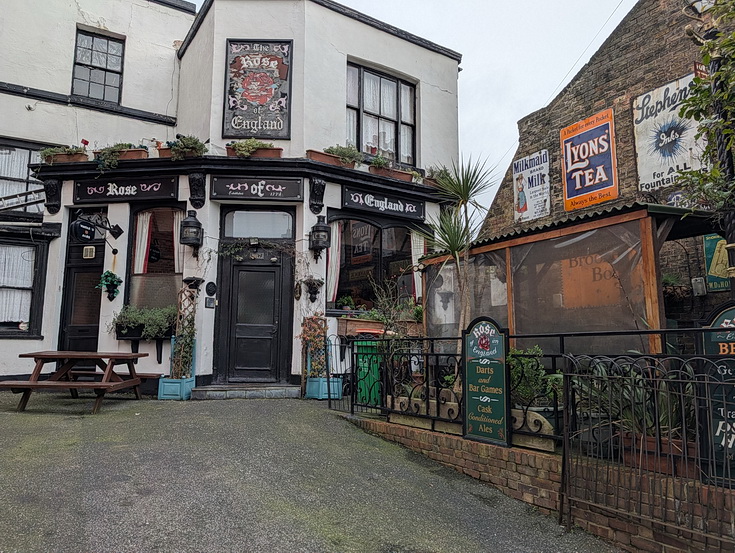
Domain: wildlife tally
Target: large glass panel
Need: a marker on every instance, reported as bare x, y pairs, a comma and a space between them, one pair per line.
359, 261
260, 224
371, 92
353, 86
396, 260
388, 99
256, 298
17, 265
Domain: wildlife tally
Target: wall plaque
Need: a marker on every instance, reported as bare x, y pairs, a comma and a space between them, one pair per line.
256, 189
381, 203
258, 89
125, 190
485, 391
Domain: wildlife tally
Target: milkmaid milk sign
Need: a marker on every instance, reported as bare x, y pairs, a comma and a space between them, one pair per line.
589, 170
531, 186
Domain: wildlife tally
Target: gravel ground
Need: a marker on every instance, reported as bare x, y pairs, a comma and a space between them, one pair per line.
239, 476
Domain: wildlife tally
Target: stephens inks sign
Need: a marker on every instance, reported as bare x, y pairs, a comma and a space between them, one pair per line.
258, 89
589, 167
664, 142
531, 186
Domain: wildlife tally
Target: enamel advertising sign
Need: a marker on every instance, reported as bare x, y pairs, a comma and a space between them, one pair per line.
664, 142
531, 186
589, 169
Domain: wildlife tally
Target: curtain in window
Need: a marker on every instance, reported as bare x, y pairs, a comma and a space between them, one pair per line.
16, 270
334, 258
417, 251
178, 247
142, 241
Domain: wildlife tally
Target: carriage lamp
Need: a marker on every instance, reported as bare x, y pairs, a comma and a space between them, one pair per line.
319, 237
191, 232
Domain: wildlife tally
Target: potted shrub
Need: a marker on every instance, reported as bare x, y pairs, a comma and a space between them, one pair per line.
314, 348
383, 167
184, 146
180, 383
341, 156
346, 302
110, 282
252, 147
143, 323
108, 157
63, 154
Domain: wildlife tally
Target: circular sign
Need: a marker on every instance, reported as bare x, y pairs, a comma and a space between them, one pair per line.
82, 231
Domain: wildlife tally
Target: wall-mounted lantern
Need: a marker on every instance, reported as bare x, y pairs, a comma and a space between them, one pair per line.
191, 232
319, 237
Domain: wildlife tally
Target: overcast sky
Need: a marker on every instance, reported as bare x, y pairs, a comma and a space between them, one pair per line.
516, 56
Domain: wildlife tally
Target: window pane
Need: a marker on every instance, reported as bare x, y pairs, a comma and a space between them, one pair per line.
80, 87
115, 47
388, 99
114, 63
81, 72
353, 88
17, 266
407, 145
370, 135
154, 290
99, 44
359, 260
407, 103
351, 127
260, 224
97, 76
84, 40
387, 139
15, 305
84, 55
96, 91
111, 94
112, 79
397, 258
371, 93
259, 309
99, 59
14, 163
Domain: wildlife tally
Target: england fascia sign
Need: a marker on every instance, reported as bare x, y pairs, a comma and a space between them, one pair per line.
531, 186
589, 167
664, 141
381, 203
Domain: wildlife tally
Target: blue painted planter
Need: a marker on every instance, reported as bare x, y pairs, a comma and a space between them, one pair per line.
178, 388
316, 387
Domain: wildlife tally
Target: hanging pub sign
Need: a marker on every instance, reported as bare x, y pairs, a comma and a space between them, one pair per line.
485, 388
589, 170
380, 203
258, 89
82, 231
716, 263
665, 142
531, 186
125, 190
256, 189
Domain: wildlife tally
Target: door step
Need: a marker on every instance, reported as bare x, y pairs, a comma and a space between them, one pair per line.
247, 391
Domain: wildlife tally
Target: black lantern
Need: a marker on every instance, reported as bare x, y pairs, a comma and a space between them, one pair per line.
319, 237
191, 232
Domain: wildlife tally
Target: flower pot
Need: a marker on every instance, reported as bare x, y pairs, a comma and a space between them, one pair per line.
164, 152
134, 153
391, 173
347, 326
66, 158
175, 388
321, 157
317, 388
670, 457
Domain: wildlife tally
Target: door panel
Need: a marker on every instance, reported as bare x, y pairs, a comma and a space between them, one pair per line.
255, 329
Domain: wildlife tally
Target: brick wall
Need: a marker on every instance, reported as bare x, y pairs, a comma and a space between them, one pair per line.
535, 478
647, 50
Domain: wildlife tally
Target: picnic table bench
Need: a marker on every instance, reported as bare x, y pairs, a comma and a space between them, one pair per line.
66, 378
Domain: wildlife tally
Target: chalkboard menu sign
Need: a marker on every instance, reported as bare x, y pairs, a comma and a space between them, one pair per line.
721, 392
485, 398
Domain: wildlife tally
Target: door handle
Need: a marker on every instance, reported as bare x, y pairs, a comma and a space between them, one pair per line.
274, 329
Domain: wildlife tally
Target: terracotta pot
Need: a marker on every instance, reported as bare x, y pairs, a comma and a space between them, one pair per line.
391, 173
66, 158
135, 153
639, 451
164, 152
321, 157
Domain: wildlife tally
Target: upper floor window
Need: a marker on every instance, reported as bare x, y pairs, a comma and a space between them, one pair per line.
18, 188
381, 115
98, 64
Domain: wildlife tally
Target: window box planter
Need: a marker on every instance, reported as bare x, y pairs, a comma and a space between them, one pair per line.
126, 155
347, 326
66, 158
392, 173
164, 152
316, 155
318, 388
271, 153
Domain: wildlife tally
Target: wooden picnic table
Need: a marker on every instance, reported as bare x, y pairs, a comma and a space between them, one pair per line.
65, 378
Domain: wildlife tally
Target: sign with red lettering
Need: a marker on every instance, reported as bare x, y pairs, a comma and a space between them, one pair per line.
589, 165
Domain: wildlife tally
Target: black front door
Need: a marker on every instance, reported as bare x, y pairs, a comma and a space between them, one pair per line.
80, 319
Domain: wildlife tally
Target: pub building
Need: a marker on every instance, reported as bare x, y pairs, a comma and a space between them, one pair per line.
267, 241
